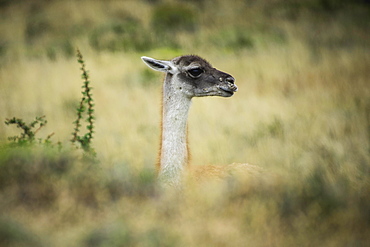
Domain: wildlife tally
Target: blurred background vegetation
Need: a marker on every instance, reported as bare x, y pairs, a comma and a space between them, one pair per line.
302, 112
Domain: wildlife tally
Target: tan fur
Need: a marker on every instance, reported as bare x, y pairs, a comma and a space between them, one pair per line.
213, 172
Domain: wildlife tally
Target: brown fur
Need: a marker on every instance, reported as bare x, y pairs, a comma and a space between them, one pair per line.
214, 172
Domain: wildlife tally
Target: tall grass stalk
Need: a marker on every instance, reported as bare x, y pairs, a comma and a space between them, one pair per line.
86, 103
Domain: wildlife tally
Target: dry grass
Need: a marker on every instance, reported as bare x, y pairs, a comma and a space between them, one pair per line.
301, 113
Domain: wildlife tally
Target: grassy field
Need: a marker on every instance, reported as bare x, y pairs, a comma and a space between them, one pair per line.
302, 113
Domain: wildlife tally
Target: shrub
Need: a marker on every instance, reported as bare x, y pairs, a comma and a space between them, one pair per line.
13, 233
233, 39
174, 18
31, 174
86, 104
29, 130
123, 35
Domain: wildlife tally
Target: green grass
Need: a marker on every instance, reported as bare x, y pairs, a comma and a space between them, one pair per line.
301, 113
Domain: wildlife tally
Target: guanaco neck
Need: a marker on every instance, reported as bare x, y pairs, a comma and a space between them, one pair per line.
174, 150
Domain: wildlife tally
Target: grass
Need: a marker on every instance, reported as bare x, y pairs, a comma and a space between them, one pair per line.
301, 113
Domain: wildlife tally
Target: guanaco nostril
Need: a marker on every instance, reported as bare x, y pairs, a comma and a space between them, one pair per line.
230, 79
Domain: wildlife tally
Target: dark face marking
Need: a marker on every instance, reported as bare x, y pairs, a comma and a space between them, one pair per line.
203, 78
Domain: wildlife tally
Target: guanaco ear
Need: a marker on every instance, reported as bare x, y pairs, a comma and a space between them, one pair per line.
160, 65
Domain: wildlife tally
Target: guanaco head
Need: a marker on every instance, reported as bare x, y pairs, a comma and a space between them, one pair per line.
194, 76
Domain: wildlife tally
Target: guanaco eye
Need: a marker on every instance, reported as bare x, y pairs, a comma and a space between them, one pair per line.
195, 73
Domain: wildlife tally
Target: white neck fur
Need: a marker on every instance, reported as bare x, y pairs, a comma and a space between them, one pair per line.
174, 151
